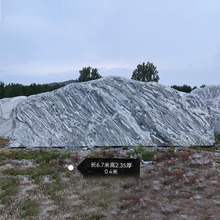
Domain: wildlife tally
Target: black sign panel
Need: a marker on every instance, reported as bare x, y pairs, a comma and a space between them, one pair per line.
109, 167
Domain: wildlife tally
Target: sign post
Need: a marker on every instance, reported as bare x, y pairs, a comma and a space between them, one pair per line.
109, 167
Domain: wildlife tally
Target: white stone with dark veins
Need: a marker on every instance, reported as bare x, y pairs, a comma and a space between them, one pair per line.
111, 111
211, 95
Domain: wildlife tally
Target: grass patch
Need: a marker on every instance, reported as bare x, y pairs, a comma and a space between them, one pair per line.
30, 208
105, 154
148, 155
171, 149
68, 193
18, 155
141, 153
199, 148
217, 139
14, 172
217, 160
9, 188
94, 216
48, 164
2, 157
65, 155
27, 156
43, 169
38, 156
3, 142
53, 189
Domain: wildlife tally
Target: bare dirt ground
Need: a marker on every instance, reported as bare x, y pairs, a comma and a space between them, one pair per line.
178, 184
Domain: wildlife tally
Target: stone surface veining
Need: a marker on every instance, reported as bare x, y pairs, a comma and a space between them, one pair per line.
111, 111
211, 95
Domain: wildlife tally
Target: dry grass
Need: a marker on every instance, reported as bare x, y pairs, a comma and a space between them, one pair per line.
3, 142
178, 184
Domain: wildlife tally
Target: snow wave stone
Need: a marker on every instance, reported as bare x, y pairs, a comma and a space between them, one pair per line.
111, 111
211, 95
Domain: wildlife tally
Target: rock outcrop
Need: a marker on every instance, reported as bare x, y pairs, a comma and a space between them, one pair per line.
211, 95
111, 111
7, 106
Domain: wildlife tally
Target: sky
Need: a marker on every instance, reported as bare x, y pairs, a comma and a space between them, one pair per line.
50, 41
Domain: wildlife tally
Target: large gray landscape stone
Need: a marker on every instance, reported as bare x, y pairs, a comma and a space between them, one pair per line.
7, 106
211, 95
111, 111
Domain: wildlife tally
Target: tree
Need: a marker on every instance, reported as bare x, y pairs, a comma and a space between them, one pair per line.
88, 73
12, 90
2, 90
146, 73
184, 88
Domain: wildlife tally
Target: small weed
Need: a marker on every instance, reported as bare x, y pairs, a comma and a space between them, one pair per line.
139, 150
130, 154
104, 183
171, 149
65, 155
2, 157
125, 148
94, 216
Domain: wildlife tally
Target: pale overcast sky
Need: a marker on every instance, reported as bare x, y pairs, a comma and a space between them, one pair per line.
45, 41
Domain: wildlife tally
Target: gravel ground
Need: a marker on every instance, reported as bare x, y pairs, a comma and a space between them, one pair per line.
178, 183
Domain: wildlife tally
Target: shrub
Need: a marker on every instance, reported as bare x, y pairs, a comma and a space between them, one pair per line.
148, 155
146, 73
141, 153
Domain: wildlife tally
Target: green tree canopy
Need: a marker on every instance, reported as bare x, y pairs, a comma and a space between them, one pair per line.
203, 86
146, 73
12, 89
2, 90
88, 73
184, 88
